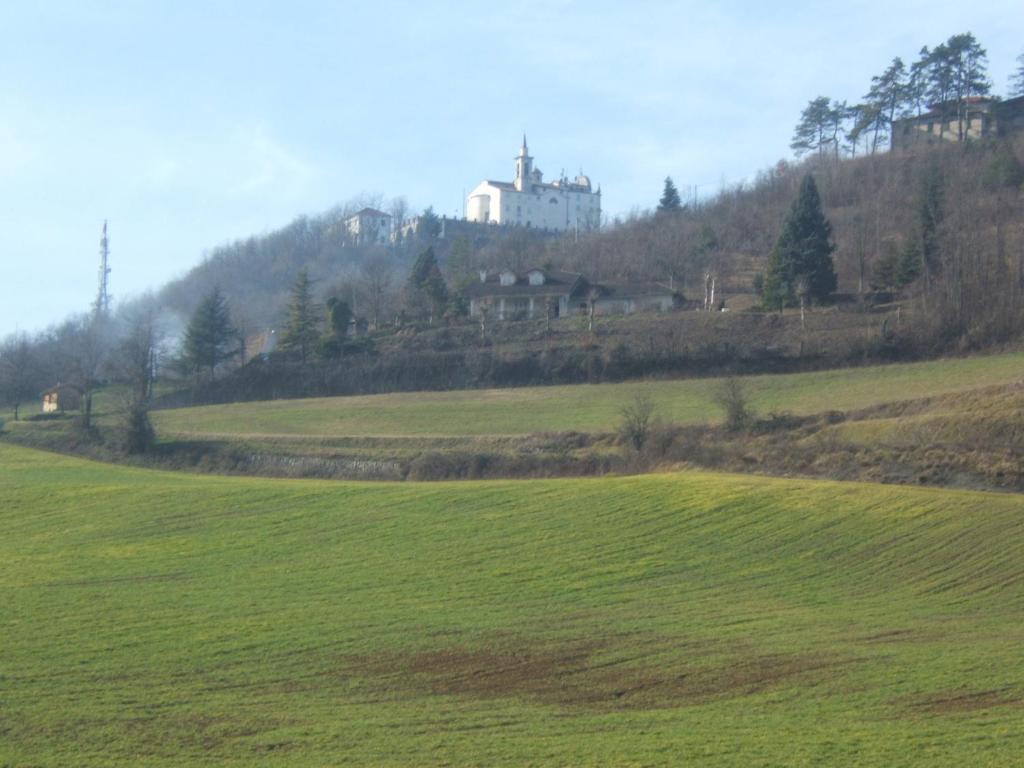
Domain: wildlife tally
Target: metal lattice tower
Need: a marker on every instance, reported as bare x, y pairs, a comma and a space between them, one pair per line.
102, 306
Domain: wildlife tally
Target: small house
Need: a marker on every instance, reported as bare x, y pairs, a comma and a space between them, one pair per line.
553, 293
535, 293
63, 397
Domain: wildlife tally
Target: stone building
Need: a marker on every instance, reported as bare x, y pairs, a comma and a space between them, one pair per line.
981, 117
563, 205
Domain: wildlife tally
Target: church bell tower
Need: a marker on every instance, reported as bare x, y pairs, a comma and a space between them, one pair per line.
524, 168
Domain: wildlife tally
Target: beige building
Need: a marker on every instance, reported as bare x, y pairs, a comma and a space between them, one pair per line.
981, 117
369, 227
62, 397
563, 205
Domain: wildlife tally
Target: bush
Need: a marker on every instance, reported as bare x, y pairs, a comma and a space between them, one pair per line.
636, 420
732, 399
137, 435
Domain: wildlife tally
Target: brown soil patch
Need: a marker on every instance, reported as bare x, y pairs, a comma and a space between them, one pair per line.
953, 702
574, 675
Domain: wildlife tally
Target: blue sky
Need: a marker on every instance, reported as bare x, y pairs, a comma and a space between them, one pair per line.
189, 124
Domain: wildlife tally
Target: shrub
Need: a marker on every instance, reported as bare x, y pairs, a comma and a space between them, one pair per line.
636, 420
732, 399
137, 435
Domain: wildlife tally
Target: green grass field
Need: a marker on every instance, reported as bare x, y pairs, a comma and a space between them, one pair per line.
589, 408
167, 619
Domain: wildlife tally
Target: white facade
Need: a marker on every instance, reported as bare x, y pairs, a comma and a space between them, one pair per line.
369, 227
528, 201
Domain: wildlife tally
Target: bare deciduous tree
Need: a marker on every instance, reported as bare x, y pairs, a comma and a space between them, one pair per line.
637, 419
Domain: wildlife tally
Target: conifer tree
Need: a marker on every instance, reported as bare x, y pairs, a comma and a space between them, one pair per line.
209, 339
670, 201
426, 287
885, 272
817, 126
803, 252
301, 333
1017, 79
886, 98
339, 314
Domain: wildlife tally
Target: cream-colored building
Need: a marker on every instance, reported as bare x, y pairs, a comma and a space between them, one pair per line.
369, 227
563, 205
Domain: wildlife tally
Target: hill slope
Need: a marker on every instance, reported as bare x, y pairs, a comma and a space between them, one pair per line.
166, 619
583, 407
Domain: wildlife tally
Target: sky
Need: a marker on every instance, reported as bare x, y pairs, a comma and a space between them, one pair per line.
189, 124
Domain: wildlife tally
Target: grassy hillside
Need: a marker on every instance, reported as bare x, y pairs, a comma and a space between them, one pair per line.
165, 619
583, 407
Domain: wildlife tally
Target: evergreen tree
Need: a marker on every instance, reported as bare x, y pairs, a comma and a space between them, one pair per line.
884, 273
301, 333
210, 337
670, 201
929, 220
969, 64
908, 265
430, 224
886, 98
803, 252
427, 291
339, 315
459, 264
816, 127
940, 78
1017, 79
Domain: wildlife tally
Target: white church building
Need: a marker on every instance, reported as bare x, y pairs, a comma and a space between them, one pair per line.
529, 201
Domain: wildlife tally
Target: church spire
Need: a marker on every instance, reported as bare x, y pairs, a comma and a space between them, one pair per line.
524, 167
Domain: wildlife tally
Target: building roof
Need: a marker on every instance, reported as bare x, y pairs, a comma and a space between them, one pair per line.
370, 212
556, 283
61, 387
634, 290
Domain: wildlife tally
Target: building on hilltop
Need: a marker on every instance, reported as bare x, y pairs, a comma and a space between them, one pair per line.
563, 205
982, 117
369, 227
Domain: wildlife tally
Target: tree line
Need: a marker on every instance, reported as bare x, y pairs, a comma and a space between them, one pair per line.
945, 77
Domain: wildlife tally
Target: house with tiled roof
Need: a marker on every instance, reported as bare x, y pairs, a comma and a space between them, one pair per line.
539, 293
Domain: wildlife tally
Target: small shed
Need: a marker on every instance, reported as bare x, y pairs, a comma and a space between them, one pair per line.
63, 397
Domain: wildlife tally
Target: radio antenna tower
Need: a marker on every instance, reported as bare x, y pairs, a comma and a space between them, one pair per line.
102, 306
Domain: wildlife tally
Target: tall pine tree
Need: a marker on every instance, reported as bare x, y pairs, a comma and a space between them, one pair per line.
301, 333
803, 253
210, 337
670, 201
1017, 79
427, 291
